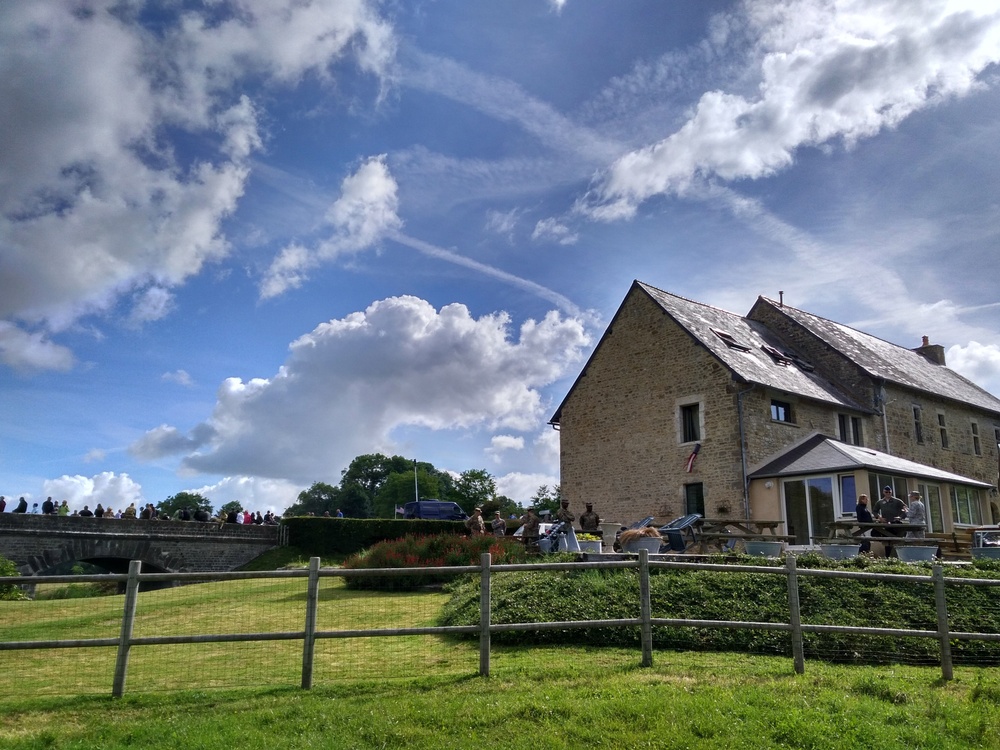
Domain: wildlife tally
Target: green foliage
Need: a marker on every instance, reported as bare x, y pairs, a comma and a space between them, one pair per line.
750, 597
546, 498
9, 592
233, 506
190, 500
476, 488
319, 498
442, 550
324, 537
398, 489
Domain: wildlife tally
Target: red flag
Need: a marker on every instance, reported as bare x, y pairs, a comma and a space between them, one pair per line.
689, 467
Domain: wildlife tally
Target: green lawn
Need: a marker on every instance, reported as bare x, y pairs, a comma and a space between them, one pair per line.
424, 692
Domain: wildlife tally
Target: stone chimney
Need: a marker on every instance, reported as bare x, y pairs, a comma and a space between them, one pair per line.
931, 352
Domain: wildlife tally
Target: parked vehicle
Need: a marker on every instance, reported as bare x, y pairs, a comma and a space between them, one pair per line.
436, 510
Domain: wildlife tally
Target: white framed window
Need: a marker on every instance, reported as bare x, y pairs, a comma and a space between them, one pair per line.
781, 411
965, 509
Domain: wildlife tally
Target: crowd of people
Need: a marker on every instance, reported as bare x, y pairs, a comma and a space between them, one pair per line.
148, 512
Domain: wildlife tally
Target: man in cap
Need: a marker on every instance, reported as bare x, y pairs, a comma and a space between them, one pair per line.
498, 525
590, 521
476, 525
889, 509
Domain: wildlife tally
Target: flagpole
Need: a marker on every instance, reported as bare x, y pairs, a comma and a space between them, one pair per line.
416, 491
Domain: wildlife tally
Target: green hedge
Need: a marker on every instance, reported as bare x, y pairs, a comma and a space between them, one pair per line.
320, 536
539, 596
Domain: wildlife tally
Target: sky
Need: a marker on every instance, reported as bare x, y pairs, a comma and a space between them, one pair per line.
242, 242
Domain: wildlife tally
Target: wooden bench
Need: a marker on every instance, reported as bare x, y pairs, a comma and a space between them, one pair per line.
954, 545
719, 538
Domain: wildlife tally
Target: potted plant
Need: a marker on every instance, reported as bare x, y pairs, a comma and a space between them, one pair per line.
589, 542
915, 552
840, 549
764, 547
648, 538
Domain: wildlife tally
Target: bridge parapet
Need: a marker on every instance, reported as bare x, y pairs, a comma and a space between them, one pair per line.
37, 543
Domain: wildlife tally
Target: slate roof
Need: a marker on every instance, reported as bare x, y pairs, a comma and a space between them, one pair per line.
820, 454
754, 365
890, 362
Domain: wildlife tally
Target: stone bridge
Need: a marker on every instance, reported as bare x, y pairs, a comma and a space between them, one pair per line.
37, 544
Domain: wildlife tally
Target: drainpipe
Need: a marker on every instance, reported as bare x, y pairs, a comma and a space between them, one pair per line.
743, 450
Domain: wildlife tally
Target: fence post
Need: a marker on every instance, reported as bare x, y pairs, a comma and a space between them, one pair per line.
795, 614
128, 623
645, 609
309, 637
485, 614
941, 605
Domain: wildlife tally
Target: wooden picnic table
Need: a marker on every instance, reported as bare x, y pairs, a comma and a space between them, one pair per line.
750, 526
850, 527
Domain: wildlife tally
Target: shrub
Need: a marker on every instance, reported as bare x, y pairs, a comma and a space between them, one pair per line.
442, 550
9, 592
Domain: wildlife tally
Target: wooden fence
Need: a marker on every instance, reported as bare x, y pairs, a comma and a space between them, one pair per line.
643, 621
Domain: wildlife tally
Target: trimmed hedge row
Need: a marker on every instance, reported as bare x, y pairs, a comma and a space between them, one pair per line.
539, 596
321, 536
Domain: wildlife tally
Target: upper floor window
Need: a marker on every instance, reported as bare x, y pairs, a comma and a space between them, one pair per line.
849, 429
977, 447
943, 428
781, 411
918, 427
690, 423
730, 340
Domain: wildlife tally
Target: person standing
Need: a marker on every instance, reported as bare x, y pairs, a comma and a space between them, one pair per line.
916, 514
498, 525
889, 510
3, 503
564, 515
590, 521
63, 508
22, 505
48, 507
864, 516
476, 525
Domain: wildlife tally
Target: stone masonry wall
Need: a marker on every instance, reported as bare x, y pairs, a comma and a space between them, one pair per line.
619, 427
37, 543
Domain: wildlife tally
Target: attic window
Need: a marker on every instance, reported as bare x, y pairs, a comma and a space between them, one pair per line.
800, 363
731, 342
778, 357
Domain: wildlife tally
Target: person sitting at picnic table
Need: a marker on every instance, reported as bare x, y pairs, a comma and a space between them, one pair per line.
916, 514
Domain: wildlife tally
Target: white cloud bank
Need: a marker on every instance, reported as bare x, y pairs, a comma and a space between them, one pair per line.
350, 382
107, 488
828, 70
95, 207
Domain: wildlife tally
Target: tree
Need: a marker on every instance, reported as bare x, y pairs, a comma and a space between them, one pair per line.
476, 488
318, 498
355, 502
547, 499
398, 489
190, 500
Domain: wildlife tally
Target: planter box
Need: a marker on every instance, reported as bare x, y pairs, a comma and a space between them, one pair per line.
594, 547
652, 544
763, 548
915, 553
840, 551
986, 553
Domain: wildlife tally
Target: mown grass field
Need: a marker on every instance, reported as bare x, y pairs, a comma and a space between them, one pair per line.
424, 692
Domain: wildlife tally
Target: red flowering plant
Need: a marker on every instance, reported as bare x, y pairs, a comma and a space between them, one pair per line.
438, 551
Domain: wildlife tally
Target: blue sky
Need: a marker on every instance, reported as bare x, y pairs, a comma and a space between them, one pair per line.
242, 243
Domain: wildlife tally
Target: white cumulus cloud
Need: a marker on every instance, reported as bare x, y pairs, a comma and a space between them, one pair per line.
349, 383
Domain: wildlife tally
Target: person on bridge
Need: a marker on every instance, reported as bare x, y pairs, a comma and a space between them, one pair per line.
3, 503
87, 512
63, 508
48, 507
99, 511
22, 505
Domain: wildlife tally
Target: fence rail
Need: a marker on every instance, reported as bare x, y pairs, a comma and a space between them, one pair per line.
311, 632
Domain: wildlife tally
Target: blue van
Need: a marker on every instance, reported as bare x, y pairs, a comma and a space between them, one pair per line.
437, 510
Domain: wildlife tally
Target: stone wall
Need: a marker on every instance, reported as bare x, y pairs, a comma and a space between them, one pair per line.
619, 427
38, 543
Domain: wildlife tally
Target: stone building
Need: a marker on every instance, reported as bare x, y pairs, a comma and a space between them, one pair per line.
781, 414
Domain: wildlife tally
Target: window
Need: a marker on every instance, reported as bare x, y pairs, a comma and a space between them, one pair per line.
731, 342
932, 502
778, 357
694, 499
877, 481
781, 411
690, 423
918, 427
808, 507
848, 494
943, 429
849, 429
965, 506
977, 447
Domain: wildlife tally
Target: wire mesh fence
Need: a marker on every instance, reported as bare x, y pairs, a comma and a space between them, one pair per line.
306, 627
